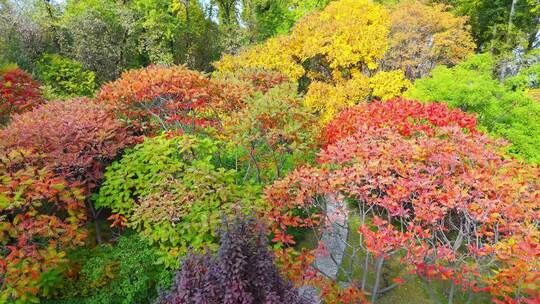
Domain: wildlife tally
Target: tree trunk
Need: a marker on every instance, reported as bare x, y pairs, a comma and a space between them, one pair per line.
508, 35
96, 223
365, 273
378, 271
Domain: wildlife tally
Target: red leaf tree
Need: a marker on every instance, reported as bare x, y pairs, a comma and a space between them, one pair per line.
18, 93
444, 202
77, 137
170, 98
41, 216
405, 116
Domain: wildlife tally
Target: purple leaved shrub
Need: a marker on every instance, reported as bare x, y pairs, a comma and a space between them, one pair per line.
242, 272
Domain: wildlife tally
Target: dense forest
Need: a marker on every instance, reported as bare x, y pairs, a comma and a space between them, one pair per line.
270, 151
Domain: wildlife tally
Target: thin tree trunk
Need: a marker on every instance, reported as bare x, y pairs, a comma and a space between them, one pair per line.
378, 271
511, 17
255, 162
451, 293
53, 27
365, 273
96, 223
508, 35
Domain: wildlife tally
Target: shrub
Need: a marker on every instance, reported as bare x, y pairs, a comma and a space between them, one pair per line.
77, 137
527, 78
18, 93
275, 129
173, 193
471, 87
41, 216
262, 80
124, 272
446, 204
405, 116
166, 98
65, 76
243, 272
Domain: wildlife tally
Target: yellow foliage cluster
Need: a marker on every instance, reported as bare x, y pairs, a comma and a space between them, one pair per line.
272, 55
424, 35
386, 85
328, 99
347, 33
341, 51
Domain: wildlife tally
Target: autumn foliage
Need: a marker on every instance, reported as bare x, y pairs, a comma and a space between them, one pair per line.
334, 54
424, 35
18, 93
291, 170
172, 98
77, 138
262, 80
274, 128
41, 216
446, 202
405, 116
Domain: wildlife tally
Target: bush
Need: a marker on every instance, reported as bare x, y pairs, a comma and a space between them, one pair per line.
242, 272
77, 137
445, 204
41, 216
471, 87
65, 76
166, 98
408, 117
262, 80
173, 192
274, 130
124, 272
527, 78
18, 93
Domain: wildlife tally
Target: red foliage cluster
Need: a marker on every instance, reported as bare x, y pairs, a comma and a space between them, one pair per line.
18, 93
262, 80
452, 205
78, 138
168, 98
41, 215
405, 116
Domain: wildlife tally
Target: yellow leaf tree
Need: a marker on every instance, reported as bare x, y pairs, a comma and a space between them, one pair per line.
332, 54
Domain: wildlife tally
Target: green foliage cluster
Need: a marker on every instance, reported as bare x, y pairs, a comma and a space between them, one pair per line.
527, 78
145, 165
65, 77
125, 272
173, 191
472, 87
108, 36
275, 17
500, 25
275, 131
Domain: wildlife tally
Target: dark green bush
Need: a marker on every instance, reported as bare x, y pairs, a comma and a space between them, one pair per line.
125, 272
